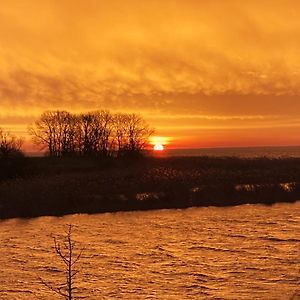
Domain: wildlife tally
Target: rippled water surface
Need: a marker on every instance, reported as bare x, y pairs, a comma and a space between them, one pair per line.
245, 252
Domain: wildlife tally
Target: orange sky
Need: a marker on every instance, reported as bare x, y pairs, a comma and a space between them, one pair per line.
205, 73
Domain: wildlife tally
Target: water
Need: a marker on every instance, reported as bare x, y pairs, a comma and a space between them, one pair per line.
244, 252
273, 152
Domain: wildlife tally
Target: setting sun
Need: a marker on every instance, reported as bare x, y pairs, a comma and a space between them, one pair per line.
158, 147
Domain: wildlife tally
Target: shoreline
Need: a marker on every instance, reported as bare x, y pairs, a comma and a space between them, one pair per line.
152, 208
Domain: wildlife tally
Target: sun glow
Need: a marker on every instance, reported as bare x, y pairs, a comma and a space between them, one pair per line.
158, 147
159, 142
163, 140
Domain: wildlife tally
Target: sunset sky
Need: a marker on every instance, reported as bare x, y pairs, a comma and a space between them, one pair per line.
203, 73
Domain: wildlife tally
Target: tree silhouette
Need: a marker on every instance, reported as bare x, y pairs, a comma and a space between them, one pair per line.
10, 145
98, 133
95, 133
56, 132
132, 133
65, 249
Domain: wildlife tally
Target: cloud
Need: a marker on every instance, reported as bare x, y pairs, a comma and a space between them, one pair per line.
166, 58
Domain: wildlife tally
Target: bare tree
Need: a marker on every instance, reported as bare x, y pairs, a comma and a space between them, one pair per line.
120, 128
132, 133
106, 121
10, 145
85, 128
138, 132
65, 249
97, 133
56, 132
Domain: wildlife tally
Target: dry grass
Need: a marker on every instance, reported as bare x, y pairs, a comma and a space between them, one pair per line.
45, 186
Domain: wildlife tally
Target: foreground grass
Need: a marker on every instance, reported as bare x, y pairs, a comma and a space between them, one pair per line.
44, 186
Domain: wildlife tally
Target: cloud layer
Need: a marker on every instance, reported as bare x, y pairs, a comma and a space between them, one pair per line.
236, 60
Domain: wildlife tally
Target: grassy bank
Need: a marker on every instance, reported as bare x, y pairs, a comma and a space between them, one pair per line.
45, 186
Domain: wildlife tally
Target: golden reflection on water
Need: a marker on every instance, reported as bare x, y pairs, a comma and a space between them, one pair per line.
245, 252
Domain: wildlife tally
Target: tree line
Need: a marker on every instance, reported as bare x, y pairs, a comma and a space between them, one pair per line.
10, 145
99, 133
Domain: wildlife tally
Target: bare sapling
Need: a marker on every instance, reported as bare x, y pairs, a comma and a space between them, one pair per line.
65, 249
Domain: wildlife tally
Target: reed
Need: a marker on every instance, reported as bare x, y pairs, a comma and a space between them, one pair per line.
58, 186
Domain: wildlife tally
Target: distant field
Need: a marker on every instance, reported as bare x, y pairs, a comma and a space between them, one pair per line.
45, 186
241, 152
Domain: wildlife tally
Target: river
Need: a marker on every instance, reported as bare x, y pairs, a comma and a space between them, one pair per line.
243, 252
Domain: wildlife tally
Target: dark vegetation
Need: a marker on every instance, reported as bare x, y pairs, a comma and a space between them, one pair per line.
93, 134
57, 186
11, 157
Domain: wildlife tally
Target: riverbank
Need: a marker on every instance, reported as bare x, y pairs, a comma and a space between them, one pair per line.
45, 186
